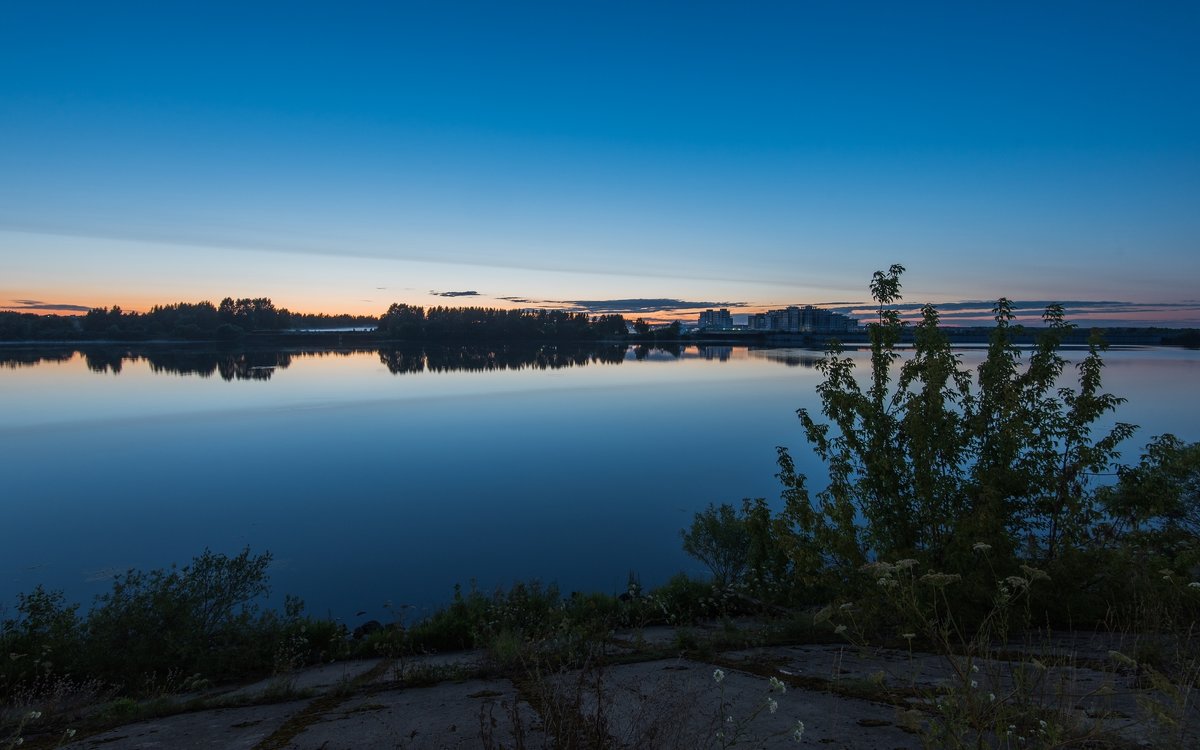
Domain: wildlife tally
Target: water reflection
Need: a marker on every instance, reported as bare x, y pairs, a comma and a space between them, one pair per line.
482, 359
261, 364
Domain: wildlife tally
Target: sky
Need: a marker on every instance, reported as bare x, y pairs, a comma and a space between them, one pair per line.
652, 158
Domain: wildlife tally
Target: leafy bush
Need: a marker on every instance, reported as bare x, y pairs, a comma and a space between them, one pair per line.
200, 618
928, 460
721, 540
45, 634
199, 623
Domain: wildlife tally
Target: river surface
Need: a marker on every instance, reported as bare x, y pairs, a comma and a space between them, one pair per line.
387, 477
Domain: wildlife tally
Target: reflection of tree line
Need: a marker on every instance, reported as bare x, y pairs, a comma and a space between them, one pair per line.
401, 361
242, 365
250, 364
14, 359
260, 364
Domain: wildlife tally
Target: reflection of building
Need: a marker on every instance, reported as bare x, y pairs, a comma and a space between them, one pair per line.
716, 320
719, 353
807, 319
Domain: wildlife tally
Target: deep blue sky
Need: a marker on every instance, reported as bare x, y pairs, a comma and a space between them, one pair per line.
344, 156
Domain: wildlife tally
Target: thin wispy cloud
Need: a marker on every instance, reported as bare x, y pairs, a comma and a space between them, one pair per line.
636, 305
342, 248
468, 293
34, 305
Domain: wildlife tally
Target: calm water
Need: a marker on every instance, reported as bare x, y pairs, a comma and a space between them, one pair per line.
390, 477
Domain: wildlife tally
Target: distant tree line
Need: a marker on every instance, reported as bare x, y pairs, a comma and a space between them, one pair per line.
234, 318
231, 319
411, 323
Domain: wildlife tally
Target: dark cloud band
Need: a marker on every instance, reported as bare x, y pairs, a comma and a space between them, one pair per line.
32, 305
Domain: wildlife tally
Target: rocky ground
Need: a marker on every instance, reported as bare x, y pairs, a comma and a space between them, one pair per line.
644, 696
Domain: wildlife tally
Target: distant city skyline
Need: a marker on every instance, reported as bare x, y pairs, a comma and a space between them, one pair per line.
653, 159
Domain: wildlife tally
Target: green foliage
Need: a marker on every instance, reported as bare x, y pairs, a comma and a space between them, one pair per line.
922, 464
44, 636
154, 628
721, 540
200, 618
1161, 494
930, 462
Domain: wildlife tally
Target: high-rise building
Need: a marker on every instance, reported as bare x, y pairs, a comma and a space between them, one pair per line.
716, 320
806, 319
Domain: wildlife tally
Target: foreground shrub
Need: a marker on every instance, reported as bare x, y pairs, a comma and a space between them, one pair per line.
928, 461
163, 630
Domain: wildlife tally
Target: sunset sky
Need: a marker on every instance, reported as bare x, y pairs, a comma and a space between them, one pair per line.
643, 157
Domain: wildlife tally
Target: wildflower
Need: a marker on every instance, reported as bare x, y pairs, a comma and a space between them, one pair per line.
940, 579
718, 675
1120, 658
70, 733
975, 668
840, 629
886, 582
1017, 582
908, 636
798, 732
847, 606
1042, 723
974, 684
981, 547
729, 719
34, 715
19, 741
906, 563
777, 685
1194, 585
772, 705
991, 697
1034, 574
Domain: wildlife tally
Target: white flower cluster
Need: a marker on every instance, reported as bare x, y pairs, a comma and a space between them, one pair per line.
940, 579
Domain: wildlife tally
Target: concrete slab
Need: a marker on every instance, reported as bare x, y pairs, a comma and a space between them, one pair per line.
317, 680
424, 668
223, 729
678, 704
469, 714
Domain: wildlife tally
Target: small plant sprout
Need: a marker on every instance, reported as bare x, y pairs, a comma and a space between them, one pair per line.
718, 675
